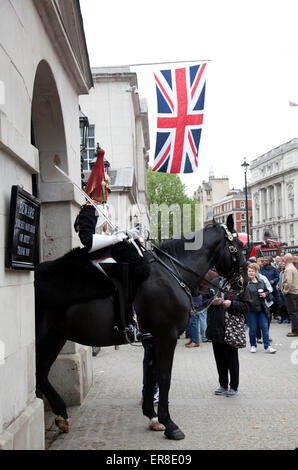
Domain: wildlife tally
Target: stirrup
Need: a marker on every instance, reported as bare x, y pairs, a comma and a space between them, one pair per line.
134, 335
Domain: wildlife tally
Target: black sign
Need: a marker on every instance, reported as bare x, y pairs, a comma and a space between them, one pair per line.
23, 230
267, 252
290, 249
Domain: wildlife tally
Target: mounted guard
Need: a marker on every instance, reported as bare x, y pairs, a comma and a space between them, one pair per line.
116, 263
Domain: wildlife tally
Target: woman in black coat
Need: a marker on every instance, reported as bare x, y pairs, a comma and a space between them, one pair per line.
226, 356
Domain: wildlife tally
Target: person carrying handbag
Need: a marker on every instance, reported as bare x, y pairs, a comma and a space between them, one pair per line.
258, 313
225, 320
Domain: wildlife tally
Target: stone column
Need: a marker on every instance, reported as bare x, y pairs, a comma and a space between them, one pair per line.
267, 204
72, 373
275, 201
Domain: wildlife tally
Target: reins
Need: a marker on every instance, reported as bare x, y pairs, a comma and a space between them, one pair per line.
232, 249
183, 266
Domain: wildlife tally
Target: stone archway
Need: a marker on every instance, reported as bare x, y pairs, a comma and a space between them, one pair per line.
71, 374
49, 137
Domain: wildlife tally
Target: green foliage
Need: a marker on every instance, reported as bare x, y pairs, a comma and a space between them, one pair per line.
172, 212
166, 188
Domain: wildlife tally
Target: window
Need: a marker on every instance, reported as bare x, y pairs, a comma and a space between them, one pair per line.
242, 204
291, 230
243, 228
242, 216
88, 153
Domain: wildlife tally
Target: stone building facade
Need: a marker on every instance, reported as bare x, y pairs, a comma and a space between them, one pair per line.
44, 67
118, 119
274, 191
210, 192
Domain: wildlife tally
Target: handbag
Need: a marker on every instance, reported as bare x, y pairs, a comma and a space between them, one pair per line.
235, 334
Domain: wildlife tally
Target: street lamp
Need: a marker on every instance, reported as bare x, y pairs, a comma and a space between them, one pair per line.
245, 166
84, 126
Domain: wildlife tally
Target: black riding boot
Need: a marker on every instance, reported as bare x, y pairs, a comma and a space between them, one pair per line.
130, 324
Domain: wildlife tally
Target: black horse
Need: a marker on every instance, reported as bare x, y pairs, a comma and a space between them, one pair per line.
162, 303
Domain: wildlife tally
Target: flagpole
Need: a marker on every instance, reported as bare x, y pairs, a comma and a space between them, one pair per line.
160, 63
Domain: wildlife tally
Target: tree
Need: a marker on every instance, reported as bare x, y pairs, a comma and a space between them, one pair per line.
172, 212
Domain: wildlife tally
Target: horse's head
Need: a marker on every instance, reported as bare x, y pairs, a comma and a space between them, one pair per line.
229, 261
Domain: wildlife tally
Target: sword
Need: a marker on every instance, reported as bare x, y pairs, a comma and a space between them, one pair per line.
100, 212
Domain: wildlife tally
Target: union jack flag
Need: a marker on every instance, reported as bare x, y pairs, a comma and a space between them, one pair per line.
180, 108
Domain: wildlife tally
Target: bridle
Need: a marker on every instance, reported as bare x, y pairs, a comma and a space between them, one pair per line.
237, 270
236, 275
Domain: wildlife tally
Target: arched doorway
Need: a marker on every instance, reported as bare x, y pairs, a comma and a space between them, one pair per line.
72, 373
48, 136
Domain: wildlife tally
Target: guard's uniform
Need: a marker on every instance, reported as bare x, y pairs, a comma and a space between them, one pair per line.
86, 224
99, 246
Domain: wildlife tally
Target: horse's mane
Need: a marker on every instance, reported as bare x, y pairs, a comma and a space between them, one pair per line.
176, 246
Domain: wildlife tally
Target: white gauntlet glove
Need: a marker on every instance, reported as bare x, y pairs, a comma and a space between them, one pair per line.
100, 241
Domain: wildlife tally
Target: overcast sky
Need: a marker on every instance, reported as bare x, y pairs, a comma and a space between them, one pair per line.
251, 77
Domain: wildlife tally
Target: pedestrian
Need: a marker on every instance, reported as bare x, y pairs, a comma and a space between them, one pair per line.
260, 261
283, 311
192, 331
146, 360
269, 303
203, 324
276, 262
295, 261
257, 313
289, 289
226, 356
273, 277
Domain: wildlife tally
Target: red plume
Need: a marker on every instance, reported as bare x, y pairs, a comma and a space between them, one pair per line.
97, 186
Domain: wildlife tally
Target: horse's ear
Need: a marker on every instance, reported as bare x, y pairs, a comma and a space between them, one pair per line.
230, 223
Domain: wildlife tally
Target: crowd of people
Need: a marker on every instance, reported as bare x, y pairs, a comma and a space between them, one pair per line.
282, 275
271, 293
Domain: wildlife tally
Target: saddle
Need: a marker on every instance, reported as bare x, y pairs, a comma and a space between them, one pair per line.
73, 279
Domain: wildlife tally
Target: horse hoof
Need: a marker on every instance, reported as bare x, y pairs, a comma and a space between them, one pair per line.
156, 426
175, 434
62, 424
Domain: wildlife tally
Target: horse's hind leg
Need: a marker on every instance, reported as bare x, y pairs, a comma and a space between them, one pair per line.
164, 349
47, 351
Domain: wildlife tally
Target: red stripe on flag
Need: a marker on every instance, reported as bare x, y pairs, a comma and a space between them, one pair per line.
192, 146
195, 86
162, 159
165, 93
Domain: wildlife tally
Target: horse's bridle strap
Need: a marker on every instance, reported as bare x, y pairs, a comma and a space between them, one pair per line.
183, 266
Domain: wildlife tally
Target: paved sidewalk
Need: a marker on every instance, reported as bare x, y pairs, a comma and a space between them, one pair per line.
263, 416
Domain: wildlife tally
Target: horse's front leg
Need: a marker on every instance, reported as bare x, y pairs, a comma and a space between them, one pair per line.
164, 349
149, 384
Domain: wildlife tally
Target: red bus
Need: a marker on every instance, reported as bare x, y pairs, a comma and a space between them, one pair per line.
273, 248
